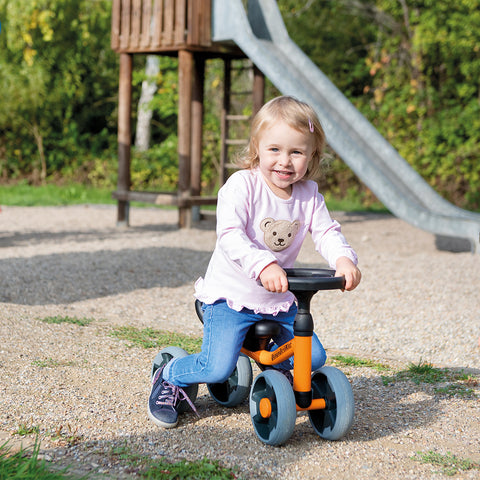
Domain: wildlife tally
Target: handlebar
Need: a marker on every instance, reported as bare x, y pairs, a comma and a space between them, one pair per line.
313, 279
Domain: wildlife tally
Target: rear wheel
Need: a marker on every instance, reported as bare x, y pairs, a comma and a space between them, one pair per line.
236, 388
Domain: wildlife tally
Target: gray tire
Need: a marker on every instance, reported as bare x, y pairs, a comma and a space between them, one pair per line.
335, 421
236, 388
273, 390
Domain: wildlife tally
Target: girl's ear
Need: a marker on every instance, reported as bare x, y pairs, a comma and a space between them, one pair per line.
256, 160
313, 166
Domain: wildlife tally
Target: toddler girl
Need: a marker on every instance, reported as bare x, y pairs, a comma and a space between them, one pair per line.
264, 213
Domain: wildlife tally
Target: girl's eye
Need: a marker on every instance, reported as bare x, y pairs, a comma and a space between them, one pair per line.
274, 149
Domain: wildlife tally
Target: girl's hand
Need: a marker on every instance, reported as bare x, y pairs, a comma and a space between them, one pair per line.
346, 268
274, 278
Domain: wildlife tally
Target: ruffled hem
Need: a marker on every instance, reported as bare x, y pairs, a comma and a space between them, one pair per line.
258, 309
265, 304
263, 310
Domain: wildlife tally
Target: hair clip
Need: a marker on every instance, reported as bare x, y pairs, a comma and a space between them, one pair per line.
310, 126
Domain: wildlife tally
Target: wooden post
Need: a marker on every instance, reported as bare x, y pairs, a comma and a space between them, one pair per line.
224, 127
124, 135
197, 131
258, 90
185, 76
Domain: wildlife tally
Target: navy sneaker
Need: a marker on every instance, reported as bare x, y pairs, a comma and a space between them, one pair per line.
164, 400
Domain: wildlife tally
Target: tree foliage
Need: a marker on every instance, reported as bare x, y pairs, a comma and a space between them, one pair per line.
58, 84
411, 66
336, 35
424, 92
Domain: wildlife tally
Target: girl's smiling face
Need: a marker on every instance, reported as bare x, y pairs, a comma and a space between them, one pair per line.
284, 154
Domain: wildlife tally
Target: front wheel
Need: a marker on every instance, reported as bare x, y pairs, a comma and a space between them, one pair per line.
336, 419
236, 388
161, 359
272, 408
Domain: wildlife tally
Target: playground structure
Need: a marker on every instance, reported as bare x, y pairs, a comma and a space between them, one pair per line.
219, 28
181, 28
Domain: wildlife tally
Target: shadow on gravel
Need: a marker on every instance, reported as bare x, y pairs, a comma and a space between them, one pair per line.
33, 237
16, 239
228, 436
382, 411
76, 276
391, 410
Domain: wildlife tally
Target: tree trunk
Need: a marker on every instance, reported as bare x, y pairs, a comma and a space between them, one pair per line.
144, 118
43, 162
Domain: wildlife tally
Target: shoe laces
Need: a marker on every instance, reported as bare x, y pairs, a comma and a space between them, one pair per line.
171, 395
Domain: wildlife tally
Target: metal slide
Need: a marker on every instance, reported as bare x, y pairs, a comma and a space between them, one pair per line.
262, 36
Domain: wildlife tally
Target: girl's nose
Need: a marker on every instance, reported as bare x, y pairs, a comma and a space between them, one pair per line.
285, 159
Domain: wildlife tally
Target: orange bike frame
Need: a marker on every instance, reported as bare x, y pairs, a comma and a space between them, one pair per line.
301, 349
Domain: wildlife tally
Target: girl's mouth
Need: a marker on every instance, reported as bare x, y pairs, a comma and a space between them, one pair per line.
283, 173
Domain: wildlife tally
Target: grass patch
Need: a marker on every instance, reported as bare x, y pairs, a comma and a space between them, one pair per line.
424, 372
51, 363
351, 361
456, 390
453, 383
66, 435
151, 338
200, 470
24, 429
145, 467
24, 195
83, 322
127, 457
450, 464
25, 465
51, 195
353, 202
458, 383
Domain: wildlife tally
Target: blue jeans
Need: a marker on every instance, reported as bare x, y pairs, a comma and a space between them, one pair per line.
224, 331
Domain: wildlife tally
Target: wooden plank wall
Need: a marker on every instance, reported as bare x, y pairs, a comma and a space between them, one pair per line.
142, 26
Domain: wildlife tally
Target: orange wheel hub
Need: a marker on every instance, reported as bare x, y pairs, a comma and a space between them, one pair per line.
265, 408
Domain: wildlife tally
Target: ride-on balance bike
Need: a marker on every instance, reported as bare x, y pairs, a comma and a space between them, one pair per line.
326, 394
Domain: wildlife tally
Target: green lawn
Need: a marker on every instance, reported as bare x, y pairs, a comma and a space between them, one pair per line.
24, 195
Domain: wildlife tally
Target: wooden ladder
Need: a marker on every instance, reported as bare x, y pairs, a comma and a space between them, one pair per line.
229, 118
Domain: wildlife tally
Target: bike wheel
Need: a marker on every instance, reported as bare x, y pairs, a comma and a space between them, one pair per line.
236, 388
336, 419
272, 408
162, 358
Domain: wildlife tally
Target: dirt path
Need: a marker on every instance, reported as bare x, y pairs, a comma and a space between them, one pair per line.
85, 390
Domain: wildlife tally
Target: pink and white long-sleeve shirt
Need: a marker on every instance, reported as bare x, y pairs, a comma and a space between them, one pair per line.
256, 228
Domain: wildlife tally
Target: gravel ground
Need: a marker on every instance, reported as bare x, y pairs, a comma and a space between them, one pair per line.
86, 391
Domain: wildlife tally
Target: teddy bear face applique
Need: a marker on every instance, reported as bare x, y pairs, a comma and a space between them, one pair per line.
279, 234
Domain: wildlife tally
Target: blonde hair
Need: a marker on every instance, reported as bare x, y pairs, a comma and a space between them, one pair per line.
297, 115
